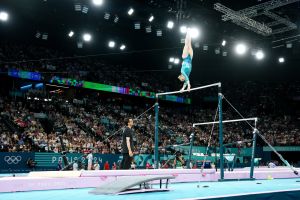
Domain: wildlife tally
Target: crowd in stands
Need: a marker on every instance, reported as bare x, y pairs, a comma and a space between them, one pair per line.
88, 69
96, 125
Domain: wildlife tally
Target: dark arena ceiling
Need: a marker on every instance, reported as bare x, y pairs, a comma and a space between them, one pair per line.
147, 51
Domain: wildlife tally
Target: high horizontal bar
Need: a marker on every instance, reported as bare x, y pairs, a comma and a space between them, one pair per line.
226, 121
192, 89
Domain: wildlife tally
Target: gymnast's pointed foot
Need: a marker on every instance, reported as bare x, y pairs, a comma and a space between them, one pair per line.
189, 88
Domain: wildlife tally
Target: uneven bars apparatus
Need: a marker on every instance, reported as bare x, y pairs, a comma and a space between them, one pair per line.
196, 88
253, 141
227, 121
156, 156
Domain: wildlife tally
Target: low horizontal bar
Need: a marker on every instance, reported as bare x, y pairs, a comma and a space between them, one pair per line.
192, 89
226, 121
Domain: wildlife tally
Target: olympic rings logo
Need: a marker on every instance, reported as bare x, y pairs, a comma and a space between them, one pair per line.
12, 159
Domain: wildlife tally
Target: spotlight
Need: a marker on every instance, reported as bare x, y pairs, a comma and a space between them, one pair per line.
281, 60
106, 16
87, 37
137, 25
3, 16
194, 32
176, 61
111, 44
38, 34
85, 9
77, 7
171, 59
148, 29
158, 33
71, 33
98, 2
170, 24
130, 11
116, 19
224, 43
259, 55
151, 18
122, 47
183, 29
45, 36
240, 49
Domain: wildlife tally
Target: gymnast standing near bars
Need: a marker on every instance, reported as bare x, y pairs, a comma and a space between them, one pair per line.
187, 56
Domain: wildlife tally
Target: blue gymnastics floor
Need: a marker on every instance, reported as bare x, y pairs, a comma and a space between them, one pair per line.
202, 190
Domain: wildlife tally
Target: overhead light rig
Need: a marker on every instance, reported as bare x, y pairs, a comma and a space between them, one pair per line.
244, 17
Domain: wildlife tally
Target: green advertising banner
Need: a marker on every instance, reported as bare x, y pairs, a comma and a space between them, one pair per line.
286, 148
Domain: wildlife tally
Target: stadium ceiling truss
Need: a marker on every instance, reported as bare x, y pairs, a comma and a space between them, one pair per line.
244, 17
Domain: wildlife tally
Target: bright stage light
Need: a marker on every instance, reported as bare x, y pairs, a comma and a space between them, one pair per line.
151, 18
3, 16
130, 11
183, 29
98, 2
176, 61
224, 43
281, 60
171, 59
111, 44
194, 32
170, 24
71, 33
240, 49
122, 47
259, 55
87, 37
